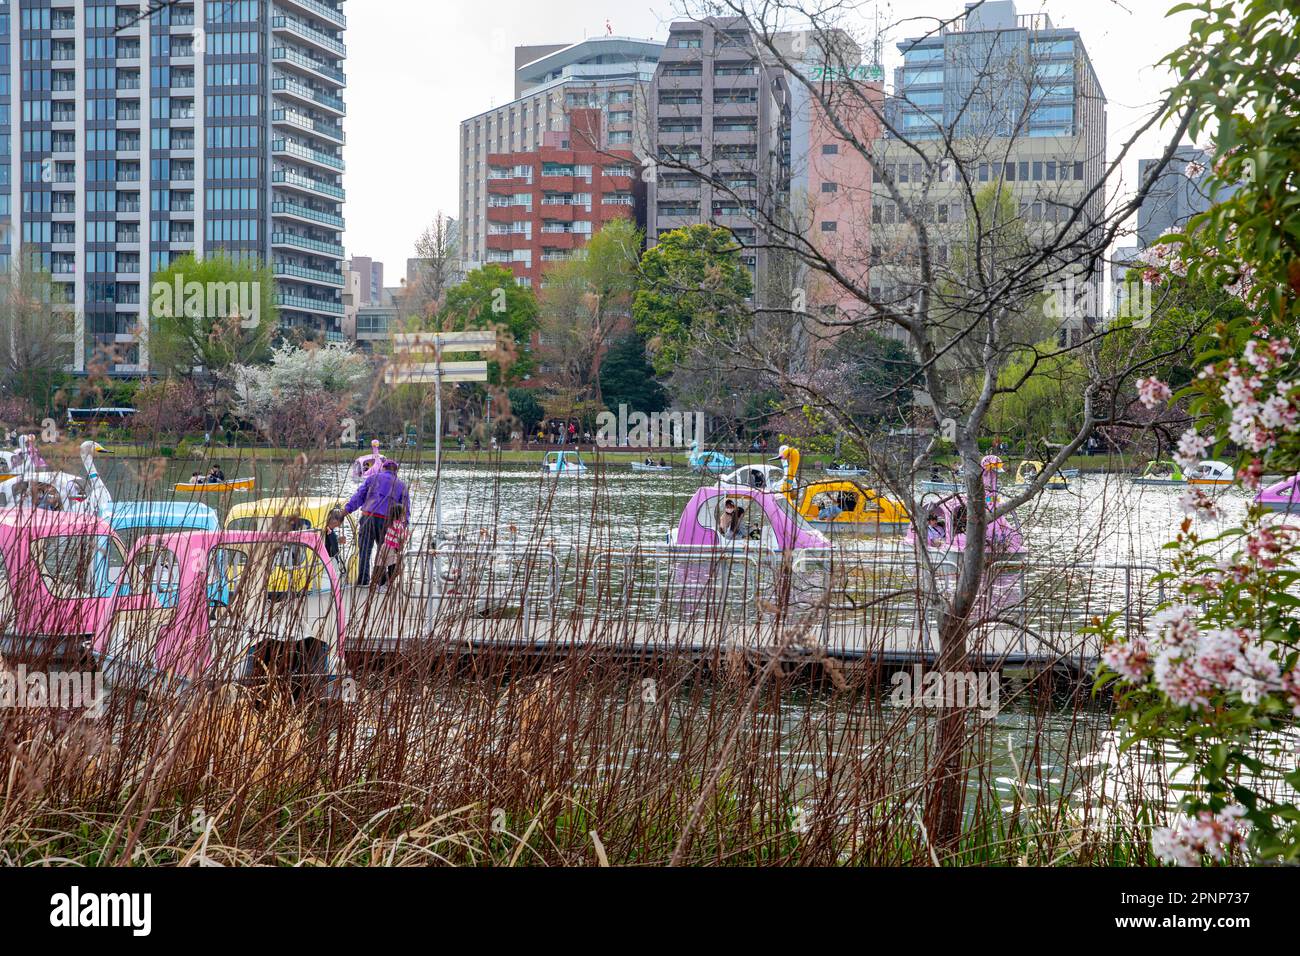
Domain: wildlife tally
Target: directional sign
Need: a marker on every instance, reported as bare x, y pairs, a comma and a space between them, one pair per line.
427, 373
476, 340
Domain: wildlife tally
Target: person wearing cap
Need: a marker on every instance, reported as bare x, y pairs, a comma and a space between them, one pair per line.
375, 499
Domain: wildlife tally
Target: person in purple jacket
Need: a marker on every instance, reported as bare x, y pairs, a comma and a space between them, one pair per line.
374, 499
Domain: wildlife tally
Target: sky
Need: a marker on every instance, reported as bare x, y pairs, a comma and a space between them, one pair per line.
417, 68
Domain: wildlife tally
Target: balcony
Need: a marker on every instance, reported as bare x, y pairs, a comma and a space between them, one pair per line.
309, 35
293, 241
322, 11
303, 274
292, 180
287, 147
295, 211
296, 60
302, 303
292, 89
317, 127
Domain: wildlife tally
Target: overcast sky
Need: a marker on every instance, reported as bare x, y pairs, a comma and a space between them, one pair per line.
416, 68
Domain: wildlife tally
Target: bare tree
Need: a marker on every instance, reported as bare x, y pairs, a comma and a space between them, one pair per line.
436, 253
35, 337
969, 239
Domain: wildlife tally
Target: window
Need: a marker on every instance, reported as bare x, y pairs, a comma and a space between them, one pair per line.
830, 187
830, 226
68, 565
830, 149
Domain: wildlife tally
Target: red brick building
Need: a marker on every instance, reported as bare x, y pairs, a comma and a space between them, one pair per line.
545, 203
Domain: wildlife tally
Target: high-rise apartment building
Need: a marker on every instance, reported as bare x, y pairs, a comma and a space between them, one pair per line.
994, 96
830, 178
609, 74
547, 202
139, 132
719, 112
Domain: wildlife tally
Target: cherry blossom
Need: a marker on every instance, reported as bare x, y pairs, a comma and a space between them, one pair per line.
1190, 840
1198, 504
1153, 393
1192, 447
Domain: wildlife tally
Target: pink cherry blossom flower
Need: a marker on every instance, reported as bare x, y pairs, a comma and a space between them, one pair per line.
1152, 392
1199, 505
1176, 676
1192, 447
1131, 660
1190, 840
1173, 626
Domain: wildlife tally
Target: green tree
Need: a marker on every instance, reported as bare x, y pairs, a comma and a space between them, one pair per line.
882, 374
692, 284
490, 298
587, 300
211, 313
627, 378
525, 407
1040, 395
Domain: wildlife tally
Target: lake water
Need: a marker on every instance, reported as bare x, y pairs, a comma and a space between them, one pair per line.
1099, 520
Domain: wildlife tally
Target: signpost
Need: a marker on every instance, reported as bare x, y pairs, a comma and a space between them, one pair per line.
411, 366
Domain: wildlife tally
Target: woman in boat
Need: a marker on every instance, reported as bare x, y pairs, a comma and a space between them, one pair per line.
729, 523
934, 531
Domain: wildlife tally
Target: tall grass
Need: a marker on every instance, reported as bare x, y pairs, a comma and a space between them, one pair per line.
637, 711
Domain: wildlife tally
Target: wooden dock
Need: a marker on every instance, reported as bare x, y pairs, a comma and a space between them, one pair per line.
387, 625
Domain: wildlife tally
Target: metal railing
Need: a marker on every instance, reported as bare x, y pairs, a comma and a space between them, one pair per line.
849, 602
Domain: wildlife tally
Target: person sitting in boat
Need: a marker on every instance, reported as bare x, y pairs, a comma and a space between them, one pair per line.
663, 463
216, 476
196, 478
934, 529
827, 508
729, 523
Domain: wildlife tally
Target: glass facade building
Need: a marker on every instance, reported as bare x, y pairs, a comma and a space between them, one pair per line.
132, 134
